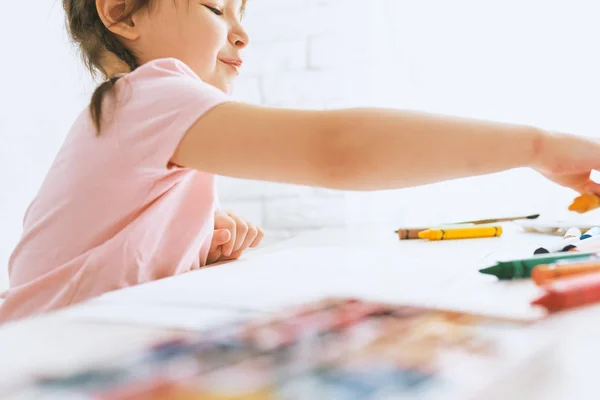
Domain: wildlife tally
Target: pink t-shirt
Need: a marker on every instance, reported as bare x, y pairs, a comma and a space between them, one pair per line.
112, 211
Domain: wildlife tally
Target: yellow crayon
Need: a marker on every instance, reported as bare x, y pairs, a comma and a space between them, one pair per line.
461, 233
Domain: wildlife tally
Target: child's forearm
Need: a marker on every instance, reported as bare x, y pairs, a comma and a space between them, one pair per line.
356, 149
376, 149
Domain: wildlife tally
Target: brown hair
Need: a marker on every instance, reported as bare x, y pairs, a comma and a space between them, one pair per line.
99, 47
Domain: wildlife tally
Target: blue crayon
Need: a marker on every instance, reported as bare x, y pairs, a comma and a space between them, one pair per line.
595, 231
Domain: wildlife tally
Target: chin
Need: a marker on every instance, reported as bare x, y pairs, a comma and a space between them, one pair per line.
223, 84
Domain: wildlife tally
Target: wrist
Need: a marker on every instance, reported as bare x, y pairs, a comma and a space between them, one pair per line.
540, 143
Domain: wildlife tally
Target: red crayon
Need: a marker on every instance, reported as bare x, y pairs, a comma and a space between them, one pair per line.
570, 292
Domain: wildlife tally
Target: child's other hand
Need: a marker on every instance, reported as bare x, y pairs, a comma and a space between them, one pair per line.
231, 237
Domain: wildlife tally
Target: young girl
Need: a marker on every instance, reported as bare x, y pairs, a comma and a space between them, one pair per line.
130, 197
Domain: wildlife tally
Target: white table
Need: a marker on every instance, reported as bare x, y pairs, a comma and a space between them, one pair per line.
371, 264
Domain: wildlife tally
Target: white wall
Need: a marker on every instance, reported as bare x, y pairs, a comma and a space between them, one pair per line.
43, 89
309, 54
523, 61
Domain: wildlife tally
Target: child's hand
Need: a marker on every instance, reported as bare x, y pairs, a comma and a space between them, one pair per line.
569, 160
231, 237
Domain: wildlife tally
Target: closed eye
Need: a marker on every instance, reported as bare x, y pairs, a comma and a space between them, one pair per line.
214, 10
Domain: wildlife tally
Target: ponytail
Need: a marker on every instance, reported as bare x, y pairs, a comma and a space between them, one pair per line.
112, 44
99, 48
97, 100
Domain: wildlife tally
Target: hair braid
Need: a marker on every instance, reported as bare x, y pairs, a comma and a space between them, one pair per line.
96, 43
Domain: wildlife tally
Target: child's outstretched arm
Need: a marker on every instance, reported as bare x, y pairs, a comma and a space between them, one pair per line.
370, 149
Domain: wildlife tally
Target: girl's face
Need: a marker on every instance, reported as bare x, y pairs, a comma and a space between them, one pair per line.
205, 34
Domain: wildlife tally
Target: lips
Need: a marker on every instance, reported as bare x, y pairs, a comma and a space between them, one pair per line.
232, 62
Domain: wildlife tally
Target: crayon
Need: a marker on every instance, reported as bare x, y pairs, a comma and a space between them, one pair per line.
496, 220
588, 235
564, 245
522, 268
594, 257
461, 233
570, 292
590, 244
571, 236
413, 233
584, 203
595, 231
543, 274
409, 233
572, 233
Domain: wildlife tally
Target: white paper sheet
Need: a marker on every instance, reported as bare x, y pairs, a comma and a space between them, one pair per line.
443, 274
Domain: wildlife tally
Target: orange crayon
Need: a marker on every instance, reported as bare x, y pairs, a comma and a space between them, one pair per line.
584, 203
543, 274
570, 292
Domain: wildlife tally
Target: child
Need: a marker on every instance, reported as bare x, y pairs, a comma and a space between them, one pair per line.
130, 197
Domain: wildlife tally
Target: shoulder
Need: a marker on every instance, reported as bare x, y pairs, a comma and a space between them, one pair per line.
170, 75
164, 68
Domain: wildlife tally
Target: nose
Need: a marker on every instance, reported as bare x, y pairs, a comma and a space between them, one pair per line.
239, 37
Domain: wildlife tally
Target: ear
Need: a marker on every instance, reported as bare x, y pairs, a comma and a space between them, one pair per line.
111, 13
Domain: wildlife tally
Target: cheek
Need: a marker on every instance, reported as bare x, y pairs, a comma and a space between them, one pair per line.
204, 41
164, 36
194, 37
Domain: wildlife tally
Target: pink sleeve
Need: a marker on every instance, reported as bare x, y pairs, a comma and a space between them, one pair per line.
161, 102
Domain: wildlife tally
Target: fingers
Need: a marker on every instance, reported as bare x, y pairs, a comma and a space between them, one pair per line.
220, 237
592, 187
214, 256
234, 256
240, 235
250, 237
241, 228
224, 221
580, 183
253, 239
258, 239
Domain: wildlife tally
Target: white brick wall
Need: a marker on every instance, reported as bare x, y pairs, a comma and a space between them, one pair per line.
337, 53
310, 54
